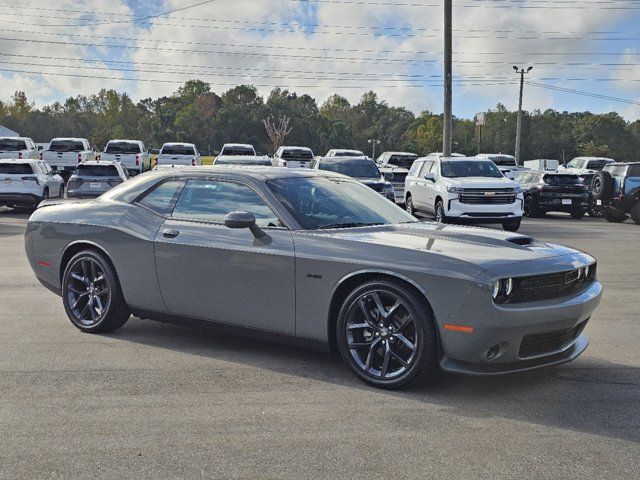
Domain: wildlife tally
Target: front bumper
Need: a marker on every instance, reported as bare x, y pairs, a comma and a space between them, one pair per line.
501, 333
483, 213
22, 199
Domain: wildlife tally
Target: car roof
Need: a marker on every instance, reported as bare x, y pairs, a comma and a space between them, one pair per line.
293, 146
179, 143
20, 160
262, 173
73, 139
623, 163
237, 145
125, 140
593, 158
400, 153
15, 138
261, 158
362, 158
487, 155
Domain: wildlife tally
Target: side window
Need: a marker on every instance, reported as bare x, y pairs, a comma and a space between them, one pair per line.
573, 164
434, 168
211, 200
634, 171
425, 168
163, 198
415, 168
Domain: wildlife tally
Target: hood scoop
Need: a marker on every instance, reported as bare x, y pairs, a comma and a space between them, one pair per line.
522, 240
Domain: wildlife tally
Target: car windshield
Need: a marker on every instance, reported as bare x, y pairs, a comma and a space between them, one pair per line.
9, 145
503, 160
351, 168
237, 150
469, 168
16, 169
66, 146
561, 180
297, 154
325, 202
96, 171
177, 150
403, 161
597, 164
243, 161
122, 147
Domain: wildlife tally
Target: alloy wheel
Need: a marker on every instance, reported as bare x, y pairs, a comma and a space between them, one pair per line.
88, 293
381, 334
439, 213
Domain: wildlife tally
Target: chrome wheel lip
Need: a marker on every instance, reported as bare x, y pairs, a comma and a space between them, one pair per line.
87, 292
383, 341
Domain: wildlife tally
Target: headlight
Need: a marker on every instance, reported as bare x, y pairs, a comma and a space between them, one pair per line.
502, 289
497, 288
587, 271
451, 189
518, 189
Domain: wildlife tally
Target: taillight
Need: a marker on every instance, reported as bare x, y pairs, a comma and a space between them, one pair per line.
98, 157
41, 156
193, 162
284, 163
79, 157
32, 179
19, 155
137, 160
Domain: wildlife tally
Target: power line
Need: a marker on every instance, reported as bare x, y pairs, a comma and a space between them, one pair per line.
583, 93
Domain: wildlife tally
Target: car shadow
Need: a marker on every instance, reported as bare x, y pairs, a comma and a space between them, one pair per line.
590, 395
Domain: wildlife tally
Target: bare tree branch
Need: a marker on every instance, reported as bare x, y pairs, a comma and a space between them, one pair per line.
277, 130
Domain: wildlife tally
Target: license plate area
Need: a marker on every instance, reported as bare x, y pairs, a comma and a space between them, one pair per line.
566, 201
95, 184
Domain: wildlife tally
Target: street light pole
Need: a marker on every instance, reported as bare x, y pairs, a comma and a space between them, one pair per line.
521, 71
373, 143
447, 129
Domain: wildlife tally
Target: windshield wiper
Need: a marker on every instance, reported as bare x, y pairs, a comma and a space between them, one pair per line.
350, 225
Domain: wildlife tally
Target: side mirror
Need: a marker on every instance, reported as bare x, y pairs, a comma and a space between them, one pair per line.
243, 220
430, 176
388, 176
40, 147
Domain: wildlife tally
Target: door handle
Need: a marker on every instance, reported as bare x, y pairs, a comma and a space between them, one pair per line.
170, 233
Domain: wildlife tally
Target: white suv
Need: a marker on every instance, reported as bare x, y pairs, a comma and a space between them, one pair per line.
25, 183
468, 190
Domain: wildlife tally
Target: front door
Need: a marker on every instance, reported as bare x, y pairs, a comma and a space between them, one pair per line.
209, 271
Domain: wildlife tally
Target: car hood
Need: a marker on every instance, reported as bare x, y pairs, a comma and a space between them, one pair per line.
487, 248
480, 182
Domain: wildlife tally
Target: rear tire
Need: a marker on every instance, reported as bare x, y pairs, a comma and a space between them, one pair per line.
613, 216
61, 192
384, 346
91, 294
635, 212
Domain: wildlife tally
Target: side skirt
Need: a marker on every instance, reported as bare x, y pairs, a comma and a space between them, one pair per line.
229, 329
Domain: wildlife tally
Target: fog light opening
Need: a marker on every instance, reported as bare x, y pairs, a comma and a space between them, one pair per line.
493, 352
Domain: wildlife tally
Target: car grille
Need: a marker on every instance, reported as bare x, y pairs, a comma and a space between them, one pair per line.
496, 196
555, 285
549, 342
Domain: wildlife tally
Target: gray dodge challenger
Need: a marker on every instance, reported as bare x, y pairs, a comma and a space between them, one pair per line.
318, 259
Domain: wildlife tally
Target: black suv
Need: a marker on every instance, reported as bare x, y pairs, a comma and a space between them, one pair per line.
553, 192
617, 191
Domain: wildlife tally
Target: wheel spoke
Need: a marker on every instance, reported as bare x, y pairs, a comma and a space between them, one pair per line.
80, 297
85, 269
84, 310
100, 304
393, 309
92, 309
356, 326
405, 322
75, 290
99, 293
98, 279
399, 358
404, 340
381, 309
359, 344
371, 354
94, 273
79, 278
367, 313
385, 361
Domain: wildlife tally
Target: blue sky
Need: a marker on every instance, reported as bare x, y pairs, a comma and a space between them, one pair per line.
321, 48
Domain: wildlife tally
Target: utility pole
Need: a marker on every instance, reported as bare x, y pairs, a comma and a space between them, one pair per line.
447, 130
521, 71
373, 143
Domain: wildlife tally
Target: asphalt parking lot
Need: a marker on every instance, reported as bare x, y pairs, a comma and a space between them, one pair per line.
162, 401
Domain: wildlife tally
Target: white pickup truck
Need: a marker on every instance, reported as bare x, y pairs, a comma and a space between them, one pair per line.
179, 154
21, 148
64, 154
132, 155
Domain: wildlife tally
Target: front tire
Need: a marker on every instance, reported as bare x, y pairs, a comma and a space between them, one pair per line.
440, 216
613, 216
409, 206
91, 294
386, 334
531, 209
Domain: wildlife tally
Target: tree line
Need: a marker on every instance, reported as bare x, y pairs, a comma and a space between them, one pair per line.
196, 114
